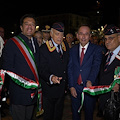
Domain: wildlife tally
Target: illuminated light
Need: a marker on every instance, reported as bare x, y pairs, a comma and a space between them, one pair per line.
37, 28
102, 28
98, 12
12, 32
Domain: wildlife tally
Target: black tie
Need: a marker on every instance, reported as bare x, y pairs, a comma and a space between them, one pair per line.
59, 51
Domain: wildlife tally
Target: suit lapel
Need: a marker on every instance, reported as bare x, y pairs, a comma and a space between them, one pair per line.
76, 55
87, 54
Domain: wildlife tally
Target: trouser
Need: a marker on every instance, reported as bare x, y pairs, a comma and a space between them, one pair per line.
53, 108
20, 112
89, 105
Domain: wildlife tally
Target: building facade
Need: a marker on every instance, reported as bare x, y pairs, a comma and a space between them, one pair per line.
71, 21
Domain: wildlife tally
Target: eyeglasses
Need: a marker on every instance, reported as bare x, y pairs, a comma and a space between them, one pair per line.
86, 34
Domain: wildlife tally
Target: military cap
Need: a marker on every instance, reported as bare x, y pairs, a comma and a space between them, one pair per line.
111, 29
59, 26
46, 28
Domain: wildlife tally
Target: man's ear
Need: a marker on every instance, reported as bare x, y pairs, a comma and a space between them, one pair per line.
51, 33
21, 27
119, 38
77, 35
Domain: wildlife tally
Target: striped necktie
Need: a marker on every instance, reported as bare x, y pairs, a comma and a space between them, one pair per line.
108, 61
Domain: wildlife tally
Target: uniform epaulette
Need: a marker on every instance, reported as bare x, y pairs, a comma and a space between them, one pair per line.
63, 46
51, 46
118, 55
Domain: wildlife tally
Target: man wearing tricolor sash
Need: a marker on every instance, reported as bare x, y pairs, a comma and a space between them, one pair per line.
21, 56
111, 60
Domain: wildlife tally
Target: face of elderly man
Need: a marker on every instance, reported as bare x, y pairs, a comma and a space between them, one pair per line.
84, 35
57, 36
112, 41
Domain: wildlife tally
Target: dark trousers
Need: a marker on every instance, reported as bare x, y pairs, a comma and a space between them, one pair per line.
89, 105
20, 112
53, 108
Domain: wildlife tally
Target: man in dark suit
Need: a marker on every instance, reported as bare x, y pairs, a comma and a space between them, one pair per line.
53, 72
83, 69
21, 103
110, 61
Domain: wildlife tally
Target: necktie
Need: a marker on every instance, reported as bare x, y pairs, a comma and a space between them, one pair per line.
59, 51
79, 81
82, 56
108, 61
33, 45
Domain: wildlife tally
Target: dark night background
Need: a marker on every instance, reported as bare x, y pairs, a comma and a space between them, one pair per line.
11, 12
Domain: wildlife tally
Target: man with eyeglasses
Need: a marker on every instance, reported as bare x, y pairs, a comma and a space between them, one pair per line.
69, 39
83, 68
110, 61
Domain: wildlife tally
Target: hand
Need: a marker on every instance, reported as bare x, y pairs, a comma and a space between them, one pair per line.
116, 88
89, 83
56, 79
73, 92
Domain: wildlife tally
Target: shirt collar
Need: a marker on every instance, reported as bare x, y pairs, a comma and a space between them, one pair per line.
116, 50
56, 45
86, 46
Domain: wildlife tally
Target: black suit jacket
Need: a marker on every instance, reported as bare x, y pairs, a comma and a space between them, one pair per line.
107, 77
14, 61
51, 64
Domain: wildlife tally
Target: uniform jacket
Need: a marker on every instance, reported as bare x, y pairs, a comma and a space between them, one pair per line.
107, 77
51, 64
14, 61
90, 66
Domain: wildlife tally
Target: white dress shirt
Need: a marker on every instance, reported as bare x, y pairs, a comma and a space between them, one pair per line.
80, 48
115, 52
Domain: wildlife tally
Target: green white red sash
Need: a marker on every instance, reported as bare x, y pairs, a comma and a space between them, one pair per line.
28, 55
21, 80
97, 90
25, 83
39, 102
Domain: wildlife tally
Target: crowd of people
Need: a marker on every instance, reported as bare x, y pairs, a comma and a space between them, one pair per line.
44, 65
